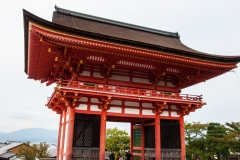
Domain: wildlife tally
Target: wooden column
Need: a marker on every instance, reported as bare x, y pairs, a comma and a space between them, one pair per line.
70, 130
103, 134
143, 140
59, 135
157, 138
131, 137
61, 147
182, 136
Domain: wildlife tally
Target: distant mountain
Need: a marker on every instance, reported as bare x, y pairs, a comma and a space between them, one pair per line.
32, 135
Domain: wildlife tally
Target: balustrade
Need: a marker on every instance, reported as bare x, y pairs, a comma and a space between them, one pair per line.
126, 91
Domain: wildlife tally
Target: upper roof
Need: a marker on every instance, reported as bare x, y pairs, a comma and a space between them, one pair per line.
132, 34
112, 22
86, 35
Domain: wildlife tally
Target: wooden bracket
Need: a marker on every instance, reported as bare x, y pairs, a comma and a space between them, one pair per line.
157, 74
106, 101
159, 107
109, 65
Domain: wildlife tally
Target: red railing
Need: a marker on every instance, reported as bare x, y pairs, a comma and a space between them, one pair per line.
125, 91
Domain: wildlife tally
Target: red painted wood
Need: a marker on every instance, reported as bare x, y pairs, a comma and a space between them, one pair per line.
157, 138
63, 134
182, 136
59, 135
82, 42
137, 154
131, 137
71, 113
42, 60
143, 141
137, 148
103, 134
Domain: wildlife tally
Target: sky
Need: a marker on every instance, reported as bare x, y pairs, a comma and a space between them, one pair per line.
209, 26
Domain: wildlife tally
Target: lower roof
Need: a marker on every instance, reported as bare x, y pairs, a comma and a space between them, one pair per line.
7, 155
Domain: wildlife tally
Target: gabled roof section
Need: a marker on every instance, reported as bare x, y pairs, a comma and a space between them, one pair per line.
7, 155
90, 28
8, 146
130, 34
117, 23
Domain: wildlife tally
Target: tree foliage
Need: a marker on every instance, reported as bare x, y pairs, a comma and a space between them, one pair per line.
195, 136
212, 140
233, 136
30, 151
217, 140
117, 140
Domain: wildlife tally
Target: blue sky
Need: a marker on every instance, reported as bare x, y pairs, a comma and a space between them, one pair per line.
208, 26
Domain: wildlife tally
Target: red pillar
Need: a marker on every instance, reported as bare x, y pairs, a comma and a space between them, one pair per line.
182, 136
61, 145
143, 141
131, 137
70, 130
103, 134
59, 135
157, 138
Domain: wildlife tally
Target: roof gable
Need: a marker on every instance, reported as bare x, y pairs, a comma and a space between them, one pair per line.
113, 22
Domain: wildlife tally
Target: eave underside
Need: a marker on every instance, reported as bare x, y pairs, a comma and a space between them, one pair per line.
143, 39
49, 49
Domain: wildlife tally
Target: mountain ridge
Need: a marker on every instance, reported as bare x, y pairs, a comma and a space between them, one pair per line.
31, 134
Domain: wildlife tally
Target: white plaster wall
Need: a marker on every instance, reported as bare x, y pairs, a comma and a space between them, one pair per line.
115, 110
173, 107
131, 111
83, 99
161, 83
169, 84
95, 100
116, 102
165, 107
96, 74
164, 113
149, 105
85, 73
147, 112
141, 80
94, 108
134, 104
174, 114
81, 107
121, 78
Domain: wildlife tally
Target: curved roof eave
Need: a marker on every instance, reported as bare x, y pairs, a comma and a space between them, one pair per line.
31, 17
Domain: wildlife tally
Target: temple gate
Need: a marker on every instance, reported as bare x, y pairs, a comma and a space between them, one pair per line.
107, 70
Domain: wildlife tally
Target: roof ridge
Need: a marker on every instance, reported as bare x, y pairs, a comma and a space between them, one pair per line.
117, 23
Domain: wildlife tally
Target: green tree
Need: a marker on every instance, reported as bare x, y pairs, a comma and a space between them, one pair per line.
233, 136
196, 141
117, 140
217, 139
30, 151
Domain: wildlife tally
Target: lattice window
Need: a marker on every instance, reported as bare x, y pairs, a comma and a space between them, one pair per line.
86, 131
137, 137
170, 134
149, 136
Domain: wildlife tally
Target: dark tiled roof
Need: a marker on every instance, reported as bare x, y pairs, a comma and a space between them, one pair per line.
116, 31
97, 30
117, 23
7, 155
